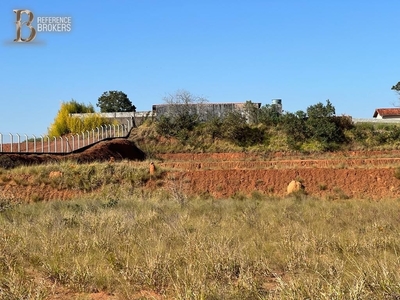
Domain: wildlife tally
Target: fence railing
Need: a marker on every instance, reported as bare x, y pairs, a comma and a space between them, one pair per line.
17, 143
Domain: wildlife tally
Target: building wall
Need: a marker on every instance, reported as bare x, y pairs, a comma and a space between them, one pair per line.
135, 118
204, 110
388, 117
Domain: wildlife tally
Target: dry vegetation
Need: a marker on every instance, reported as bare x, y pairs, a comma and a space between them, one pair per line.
125, 234
129, 243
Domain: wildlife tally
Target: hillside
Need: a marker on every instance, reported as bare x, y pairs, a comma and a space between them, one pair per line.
369, 174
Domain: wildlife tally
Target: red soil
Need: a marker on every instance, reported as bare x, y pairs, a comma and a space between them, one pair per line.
365, 174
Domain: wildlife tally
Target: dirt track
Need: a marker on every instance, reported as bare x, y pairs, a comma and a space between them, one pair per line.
365, 174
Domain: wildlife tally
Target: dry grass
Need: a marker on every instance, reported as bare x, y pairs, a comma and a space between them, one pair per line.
124, 242
82, 177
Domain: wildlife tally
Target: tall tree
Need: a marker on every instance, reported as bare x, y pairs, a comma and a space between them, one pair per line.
115, 101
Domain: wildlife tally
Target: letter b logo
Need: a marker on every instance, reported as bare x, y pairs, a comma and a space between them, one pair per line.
19, 24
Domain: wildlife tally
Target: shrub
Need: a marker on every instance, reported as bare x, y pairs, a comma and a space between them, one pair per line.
64, 123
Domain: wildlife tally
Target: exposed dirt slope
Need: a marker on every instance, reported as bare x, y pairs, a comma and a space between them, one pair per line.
366, 174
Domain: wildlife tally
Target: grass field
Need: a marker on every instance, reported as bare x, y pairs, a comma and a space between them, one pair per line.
124, 243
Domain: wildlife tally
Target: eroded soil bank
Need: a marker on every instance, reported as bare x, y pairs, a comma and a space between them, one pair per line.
353, 174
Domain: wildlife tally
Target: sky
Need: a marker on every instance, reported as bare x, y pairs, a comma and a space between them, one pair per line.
302, 52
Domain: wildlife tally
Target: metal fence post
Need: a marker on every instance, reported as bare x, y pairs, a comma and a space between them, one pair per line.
12, 142
78, 140
73, 142
66, 143
34, 143
26, 143
1, 142
19, 141
127, 127
55, 144
41, 136
62, 144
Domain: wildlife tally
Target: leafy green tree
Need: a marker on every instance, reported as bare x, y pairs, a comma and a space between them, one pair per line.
213, 127
235, 129
322, 126
320, 110
267, 114
115, 101
294, 126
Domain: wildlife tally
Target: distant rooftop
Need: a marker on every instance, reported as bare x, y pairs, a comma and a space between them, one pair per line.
385, 112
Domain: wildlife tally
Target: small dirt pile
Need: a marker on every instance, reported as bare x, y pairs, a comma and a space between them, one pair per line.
119, 149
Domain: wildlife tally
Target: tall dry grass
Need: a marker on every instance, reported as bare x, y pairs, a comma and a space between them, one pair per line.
124, 242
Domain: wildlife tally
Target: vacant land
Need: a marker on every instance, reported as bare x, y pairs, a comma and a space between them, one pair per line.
204, 226
125, 245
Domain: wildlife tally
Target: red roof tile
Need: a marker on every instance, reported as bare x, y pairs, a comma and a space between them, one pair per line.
387, 112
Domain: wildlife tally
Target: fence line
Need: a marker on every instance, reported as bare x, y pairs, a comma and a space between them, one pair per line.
64, 144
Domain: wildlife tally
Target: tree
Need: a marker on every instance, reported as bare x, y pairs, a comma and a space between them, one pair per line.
182, 113
396, 88
322, 126
294, 125
64, 123
234, 128
183, 104
115, 101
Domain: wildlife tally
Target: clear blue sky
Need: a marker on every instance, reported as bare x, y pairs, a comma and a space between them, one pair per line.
302, 52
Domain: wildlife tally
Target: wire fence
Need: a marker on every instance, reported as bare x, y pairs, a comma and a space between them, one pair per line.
23, 143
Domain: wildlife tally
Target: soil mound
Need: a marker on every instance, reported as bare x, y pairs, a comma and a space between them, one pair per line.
119, 149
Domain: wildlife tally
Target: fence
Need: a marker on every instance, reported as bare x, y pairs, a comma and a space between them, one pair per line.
64, 144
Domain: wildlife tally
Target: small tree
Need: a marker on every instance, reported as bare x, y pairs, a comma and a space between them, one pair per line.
64, 123
321, 124
294, 125
184, 112
115, 101
182, 104
235, 129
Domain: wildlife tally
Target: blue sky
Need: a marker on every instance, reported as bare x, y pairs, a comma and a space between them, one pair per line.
302, 52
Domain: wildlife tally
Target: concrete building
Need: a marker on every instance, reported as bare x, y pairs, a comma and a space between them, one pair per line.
204, 110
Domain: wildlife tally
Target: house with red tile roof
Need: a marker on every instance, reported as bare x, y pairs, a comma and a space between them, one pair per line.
387, 113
